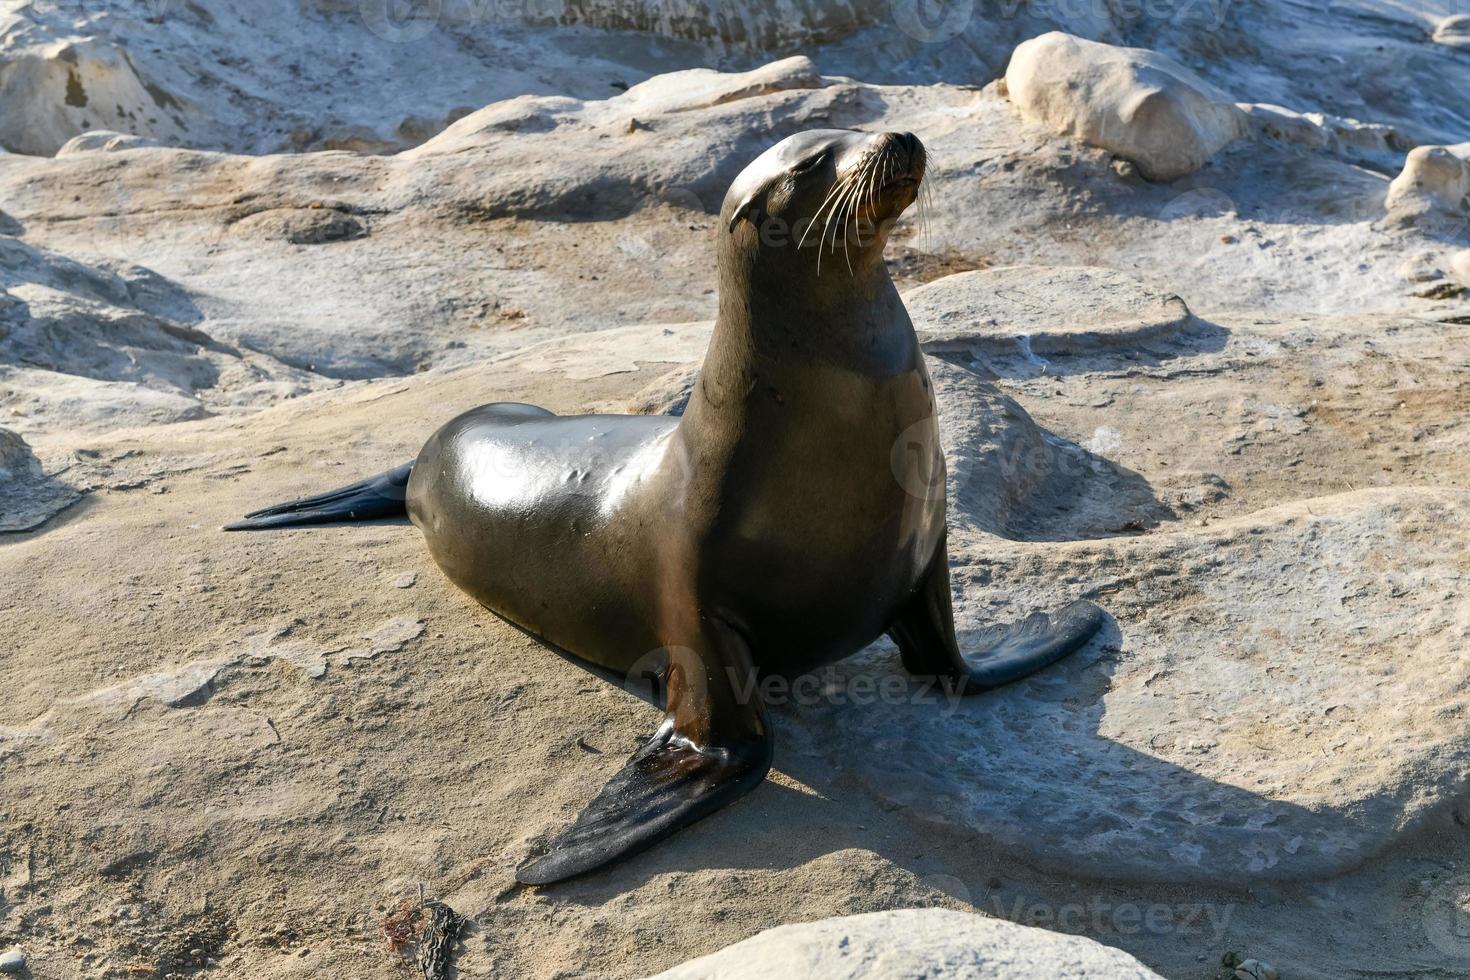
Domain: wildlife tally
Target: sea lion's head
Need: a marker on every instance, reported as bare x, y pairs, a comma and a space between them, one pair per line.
822, 202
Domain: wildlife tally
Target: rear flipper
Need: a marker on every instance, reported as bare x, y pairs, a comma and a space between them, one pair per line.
379, 496
924, 632
713, 747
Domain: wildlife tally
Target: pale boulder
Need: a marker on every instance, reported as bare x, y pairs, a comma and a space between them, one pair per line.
60, 89
1453, 31
701, 88
1136, 103
105, 140
913, 943
1433, 176
1460, 266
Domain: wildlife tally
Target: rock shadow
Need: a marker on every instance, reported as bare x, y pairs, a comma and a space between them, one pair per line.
1039, 354
124, 324
29, 497
1009, 477
1028, 770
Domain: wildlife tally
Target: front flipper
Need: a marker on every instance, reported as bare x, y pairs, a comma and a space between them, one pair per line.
713, 747
924, 632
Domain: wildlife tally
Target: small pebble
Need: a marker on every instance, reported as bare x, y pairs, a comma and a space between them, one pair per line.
1255, 970
1126, 169
1460, 266
12, 961
406, 580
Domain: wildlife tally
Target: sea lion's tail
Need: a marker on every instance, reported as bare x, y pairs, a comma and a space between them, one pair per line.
379, 496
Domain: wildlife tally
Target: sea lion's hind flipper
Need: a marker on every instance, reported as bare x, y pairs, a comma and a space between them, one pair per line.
713, 747
666, 786
376, 497
924, 632
1041, 639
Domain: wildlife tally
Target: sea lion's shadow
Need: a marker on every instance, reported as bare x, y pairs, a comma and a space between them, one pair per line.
818, 805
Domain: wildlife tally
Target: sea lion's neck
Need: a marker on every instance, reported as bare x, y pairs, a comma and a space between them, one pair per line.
839, 319
782, 333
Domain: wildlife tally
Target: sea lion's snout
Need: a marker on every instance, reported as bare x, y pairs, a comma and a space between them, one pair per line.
904, 160
821, 193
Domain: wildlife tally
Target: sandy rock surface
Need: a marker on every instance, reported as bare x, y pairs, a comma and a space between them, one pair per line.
241, 260
912, 943
279, 708
263, 277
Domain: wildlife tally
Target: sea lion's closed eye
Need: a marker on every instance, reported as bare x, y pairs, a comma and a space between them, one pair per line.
806, 166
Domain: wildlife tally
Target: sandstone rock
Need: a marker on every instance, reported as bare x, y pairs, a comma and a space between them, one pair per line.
1460, 266
1434, 177
1135, 103
700, 88
12, 961
57, 89
1453, 31
1136, 760
762, 24
16, 461
1321, 130
302, 226
1034, 310
1255, 970
28, 497
1009, 477
104, 140
617, 351
913, 943
1421, 266
109, 343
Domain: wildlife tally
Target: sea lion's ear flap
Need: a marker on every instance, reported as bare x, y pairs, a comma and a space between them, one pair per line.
750, 190
744, 208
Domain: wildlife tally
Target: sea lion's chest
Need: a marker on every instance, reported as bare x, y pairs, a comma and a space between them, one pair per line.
833, 507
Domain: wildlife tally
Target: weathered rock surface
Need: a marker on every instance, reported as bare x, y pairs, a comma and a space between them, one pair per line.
1324, 131
1433, 177
86, 346
1015, 309
1166, 753
305, 270
1225, 693
1138, 104
1453, 31
253, 746
103, 140
28, 497
913, 943
701, 88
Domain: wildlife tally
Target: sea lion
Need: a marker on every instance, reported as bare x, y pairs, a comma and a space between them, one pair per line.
786, 520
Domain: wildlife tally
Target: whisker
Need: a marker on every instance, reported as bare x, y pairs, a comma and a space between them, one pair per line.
837, 207
850, 203
831, 199
926, 209
838, 217
873, 187
836, 186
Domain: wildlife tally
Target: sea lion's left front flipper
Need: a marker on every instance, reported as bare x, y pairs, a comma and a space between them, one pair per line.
924, 632
713, 747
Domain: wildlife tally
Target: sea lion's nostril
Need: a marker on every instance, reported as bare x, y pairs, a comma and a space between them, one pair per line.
910, 145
